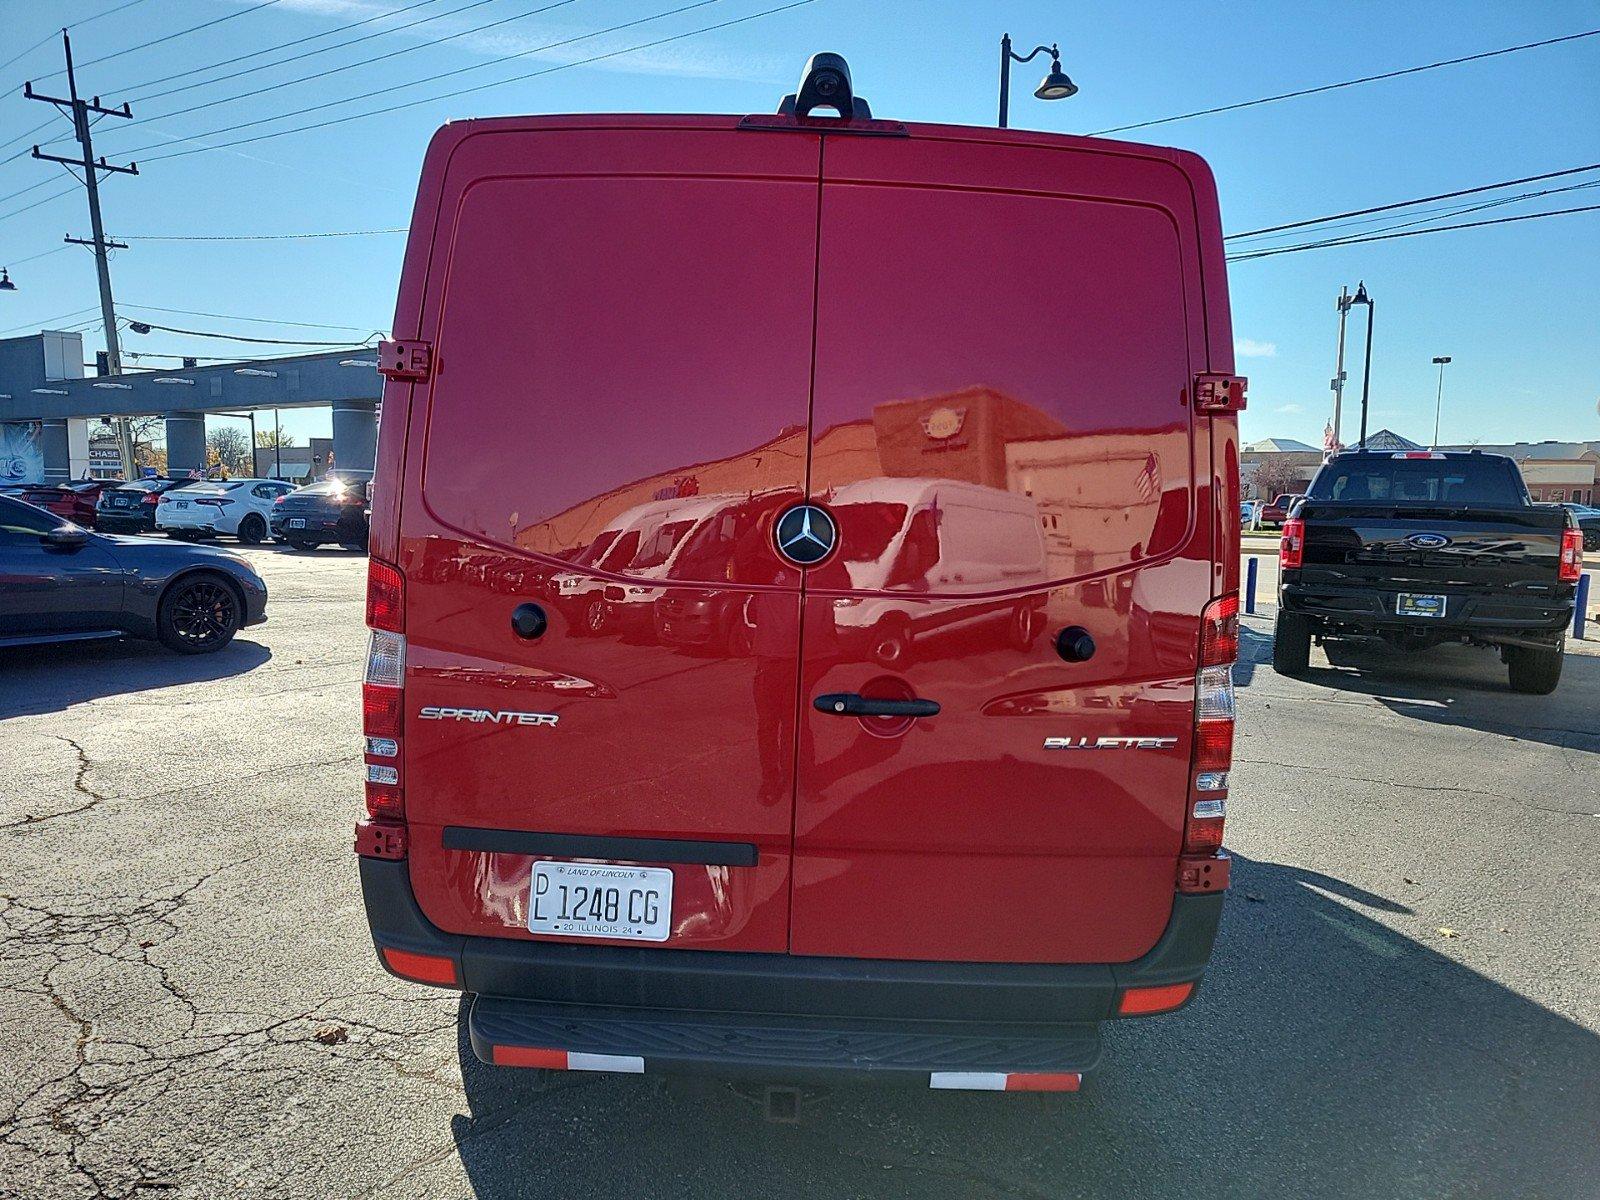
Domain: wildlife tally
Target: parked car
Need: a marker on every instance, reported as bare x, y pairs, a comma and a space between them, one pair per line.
74, 501
1419, 548
60, 582
1589, 522
329, 510
1276, 513
786, 858
239, 508
131, 507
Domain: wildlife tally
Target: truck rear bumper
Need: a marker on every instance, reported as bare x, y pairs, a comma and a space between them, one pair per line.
735, 1011
1467, 614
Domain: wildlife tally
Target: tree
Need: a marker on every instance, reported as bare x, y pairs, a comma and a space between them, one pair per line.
268, 438
229, 446
1274, 476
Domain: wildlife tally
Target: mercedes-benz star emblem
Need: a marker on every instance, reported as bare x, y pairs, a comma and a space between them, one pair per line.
805, 534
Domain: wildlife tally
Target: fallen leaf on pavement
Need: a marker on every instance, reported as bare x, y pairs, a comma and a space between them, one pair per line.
333, 1035
1446, 931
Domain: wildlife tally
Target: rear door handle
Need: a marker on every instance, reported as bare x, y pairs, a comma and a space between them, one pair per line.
850, 704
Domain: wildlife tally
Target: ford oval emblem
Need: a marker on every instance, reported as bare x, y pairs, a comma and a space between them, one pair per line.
1427, 541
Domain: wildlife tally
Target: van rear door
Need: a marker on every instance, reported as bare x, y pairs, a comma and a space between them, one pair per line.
1007, 337
620, 315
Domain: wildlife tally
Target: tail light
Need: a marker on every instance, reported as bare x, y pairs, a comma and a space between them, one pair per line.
151, 498
280, 499
382, 835
1213, 726
1292, 548
1571, 569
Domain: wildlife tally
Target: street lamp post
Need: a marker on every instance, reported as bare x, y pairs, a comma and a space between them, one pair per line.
1055, 86
1438, 400
1338, 366
1361, 297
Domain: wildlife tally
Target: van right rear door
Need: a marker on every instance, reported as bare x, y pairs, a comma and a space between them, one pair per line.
1007, 336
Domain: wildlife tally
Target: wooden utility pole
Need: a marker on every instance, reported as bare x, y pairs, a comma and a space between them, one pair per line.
79, 111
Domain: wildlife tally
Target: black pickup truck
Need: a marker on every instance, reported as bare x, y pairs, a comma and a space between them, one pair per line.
1424, 547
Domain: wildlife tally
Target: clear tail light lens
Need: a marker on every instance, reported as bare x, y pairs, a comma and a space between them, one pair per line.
1571, 569
1292, 547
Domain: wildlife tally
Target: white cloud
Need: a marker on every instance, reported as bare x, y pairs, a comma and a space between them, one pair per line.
1250, 348
1289, 408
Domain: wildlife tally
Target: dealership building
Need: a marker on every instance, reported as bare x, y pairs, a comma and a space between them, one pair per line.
50, 410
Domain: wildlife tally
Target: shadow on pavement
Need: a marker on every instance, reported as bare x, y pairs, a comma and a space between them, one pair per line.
39, 679
1467, 686
1327, 1055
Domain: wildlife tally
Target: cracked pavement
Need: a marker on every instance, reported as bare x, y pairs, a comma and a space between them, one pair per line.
189, 1005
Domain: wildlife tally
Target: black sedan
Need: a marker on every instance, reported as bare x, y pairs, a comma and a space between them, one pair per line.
131, 507
59, 582
330, 510
1589, 521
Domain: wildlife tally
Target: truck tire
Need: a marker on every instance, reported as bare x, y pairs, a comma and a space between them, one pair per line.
1291, 644
1534, 671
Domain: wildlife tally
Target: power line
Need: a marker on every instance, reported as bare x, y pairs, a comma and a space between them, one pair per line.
42, 200
138, 88
1361, 212
368, 62
582, 62
48, 321
1357, 239
1331, 87
239, 12
258, 237
147, 326
190, 312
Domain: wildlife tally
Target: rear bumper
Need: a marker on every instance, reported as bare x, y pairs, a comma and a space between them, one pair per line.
1484, 615
320, 526
112, 520
738, 1012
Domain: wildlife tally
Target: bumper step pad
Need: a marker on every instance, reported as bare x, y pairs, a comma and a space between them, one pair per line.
922, 1054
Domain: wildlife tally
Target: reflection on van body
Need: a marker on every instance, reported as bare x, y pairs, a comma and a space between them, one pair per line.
903, 537
628, 605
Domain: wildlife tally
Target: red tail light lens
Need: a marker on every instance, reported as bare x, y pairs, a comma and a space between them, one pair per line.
1219, 631
422, 968
1571, 569
151, 498
1292, 548
385, 597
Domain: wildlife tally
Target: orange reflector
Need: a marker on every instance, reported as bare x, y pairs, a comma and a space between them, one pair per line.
530, 1056
1139, 1000
423, 968
1042, 1081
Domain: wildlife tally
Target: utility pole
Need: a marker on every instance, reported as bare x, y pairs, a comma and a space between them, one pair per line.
79, 110
1438, 400
1338, 366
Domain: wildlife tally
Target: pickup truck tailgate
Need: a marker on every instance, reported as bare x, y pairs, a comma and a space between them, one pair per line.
1411, 547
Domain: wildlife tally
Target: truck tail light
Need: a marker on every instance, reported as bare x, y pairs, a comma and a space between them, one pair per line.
1213, 726
1292, 547
1571, 569
382, 715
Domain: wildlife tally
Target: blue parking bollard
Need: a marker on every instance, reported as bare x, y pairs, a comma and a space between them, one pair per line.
1251, 567
1580, 606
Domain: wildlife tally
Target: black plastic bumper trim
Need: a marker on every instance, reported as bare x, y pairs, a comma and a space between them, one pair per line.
622, 849
763, 985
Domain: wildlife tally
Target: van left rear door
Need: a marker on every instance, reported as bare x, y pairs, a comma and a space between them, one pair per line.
621, 319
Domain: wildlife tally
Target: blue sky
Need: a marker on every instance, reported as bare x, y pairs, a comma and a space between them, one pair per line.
1516, 306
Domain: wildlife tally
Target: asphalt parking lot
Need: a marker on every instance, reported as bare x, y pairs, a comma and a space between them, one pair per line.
1404, 1001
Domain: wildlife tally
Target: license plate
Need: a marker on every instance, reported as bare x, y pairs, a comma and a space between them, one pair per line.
571, 899
297, 522
1419, 606
181, 504
121, 501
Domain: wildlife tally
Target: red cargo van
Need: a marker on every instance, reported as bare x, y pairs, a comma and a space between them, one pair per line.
968, 388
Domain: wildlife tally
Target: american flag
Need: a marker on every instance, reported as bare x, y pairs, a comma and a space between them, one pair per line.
1149, 480
1330, 444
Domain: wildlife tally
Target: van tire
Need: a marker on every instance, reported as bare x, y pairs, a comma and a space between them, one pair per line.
891, 644
1535, 672
252, 529
596, 617
1291, 644
301, 544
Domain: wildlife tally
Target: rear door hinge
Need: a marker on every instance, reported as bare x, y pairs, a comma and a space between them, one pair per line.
1219, 393
411, 361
